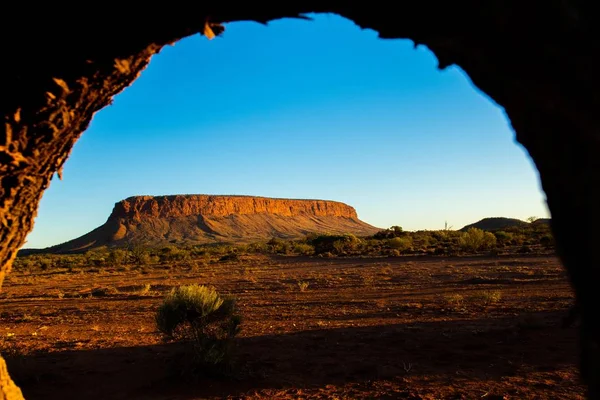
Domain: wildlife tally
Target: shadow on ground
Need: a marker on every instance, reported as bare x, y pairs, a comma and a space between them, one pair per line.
441, 351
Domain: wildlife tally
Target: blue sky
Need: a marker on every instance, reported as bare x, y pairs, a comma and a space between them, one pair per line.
299, 109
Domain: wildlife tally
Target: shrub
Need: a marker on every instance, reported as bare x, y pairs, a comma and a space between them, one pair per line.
335, 244
455, 301
503, 236
171, 253
117, 257
303, 249
200, 317
476, 239
488, 297
303, 285
394, 253
258, 247
401, 243
278, 246
140, 255
95, 258
392, 232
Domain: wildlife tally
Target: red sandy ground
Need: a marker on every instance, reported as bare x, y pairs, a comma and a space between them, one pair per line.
376, 328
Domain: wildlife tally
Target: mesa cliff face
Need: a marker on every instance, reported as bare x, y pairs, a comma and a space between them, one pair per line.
198, 219
141, 207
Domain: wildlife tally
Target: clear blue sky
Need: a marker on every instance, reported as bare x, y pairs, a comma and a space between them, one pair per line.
299, 109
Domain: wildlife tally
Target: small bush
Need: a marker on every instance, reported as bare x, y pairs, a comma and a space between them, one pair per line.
503, 237
476, 239
487, 297
455, 301
278, 246
117, 257
394, 253
144, 289
392, 232
171, 253
258, 247
199, 316
303, 249
140, 255
334, 244
401, 243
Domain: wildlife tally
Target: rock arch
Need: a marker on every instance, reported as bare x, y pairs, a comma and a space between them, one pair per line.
535, 58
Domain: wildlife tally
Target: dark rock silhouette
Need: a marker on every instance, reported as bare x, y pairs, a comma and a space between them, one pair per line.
495, 223
536, 59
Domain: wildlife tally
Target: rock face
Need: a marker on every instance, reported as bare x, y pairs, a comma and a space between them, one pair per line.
142, 207
197, 219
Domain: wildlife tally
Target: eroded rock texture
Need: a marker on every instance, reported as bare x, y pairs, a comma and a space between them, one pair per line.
140, 207
535, 58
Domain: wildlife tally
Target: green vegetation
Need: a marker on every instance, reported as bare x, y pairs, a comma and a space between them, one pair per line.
392, 242
475, 239
207, 322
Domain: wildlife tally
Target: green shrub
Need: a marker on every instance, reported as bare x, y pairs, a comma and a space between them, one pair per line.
335, 244
46, 264
476, 239
117, 257
278, 246
140, 255
455, 302
303, 249
502, 236
200, 317
392, 232
171, 253
96, 258
401, 243
487, 297
258, 247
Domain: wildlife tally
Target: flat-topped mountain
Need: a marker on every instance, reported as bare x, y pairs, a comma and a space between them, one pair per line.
199, 219
141, 207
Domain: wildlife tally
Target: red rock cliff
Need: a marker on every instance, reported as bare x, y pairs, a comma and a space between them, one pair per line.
140, 207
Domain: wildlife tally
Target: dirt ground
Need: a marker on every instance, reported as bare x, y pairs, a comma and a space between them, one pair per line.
361, 328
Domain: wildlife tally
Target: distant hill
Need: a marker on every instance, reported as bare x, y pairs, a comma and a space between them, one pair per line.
200, 219
495, 223
545, 221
